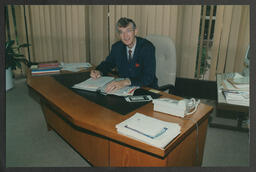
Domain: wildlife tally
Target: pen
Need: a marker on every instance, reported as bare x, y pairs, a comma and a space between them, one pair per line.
132, 90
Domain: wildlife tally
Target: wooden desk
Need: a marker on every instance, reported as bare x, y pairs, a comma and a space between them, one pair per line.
90, 129
240, 111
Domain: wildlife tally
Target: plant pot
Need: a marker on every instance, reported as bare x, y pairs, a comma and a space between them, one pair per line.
9, 79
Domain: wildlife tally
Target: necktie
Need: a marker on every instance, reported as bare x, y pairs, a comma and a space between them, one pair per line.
130, 55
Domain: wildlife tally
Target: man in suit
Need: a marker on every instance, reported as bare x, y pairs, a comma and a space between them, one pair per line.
132, 56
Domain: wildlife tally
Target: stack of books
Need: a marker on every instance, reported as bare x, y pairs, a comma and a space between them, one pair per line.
236, 90
237, 97
45, 69
149, 130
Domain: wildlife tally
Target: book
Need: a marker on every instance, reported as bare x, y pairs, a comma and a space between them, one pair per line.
45, 69
241, 98
75, 67
149, 130
99, 85
41, 73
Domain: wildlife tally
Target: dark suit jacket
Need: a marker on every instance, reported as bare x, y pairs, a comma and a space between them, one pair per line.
141, 70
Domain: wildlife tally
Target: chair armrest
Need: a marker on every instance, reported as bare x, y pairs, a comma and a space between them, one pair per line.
169, 87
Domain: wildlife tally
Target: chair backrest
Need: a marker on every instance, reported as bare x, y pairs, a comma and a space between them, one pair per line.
165, 59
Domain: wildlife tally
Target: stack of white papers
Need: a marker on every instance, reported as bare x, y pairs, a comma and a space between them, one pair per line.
236, 90
74, 67
237, 97
149, 130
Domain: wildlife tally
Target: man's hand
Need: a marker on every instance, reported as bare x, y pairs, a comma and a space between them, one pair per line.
116, 85
95, 74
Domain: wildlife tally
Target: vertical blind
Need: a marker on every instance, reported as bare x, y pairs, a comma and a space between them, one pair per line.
189, 19
59, 32
231, 39
150, 19
98, 41
79, 33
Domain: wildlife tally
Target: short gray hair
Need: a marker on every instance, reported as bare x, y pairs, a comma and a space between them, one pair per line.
124, 22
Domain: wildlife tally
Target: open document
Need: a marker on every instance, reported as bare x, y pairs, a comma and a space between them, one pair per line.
101, 83
149, 130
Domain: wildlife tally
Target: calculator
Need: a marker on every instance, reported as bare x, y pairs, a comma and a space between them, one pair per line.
142, 98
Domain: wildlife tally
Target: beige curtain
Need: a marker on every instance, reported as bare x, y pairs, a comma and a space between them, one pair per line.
21, 36
79, 33
98, 33
188, 31
150, 19
59, 32
231, 39
84, 33
68, 33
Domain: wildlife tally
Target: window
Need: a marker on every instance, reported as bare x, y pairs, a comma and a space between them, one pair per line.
207, 23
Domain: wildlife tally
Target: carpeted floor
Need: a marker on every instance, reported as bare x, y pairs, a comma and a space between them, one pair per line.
29, 144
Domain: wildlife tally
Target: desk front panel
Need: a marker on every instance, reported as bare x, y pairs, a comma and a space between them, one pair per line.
93, 148
98, 123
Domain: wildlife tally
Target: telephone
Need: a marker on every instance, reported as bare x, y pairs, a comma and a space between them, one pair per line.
176, 107
188, 105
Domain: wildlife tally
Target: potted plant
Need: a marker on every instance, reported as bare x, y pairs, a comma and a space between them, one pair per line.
13, 60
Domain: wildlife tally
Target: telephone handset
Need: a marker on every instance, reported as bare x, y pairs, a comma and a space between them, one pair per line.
188, 105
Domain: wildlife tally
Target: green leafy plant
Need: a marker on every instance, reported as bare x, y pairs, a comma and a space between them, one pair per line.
13, 58
204, 65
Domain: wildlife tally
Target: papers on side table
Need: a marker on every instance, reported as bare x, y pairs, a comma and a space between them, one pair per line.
149, 130
237, 97
236, 89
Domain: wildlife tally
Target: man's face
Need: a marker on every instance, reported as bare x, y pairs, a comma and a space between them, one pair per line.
127, 35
